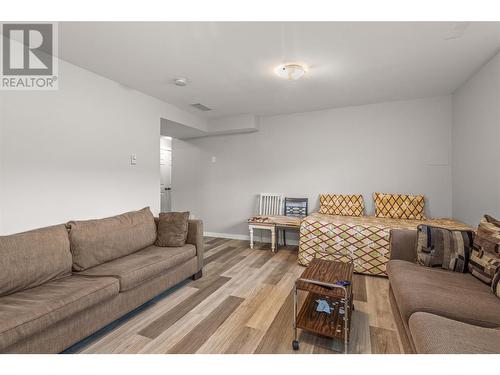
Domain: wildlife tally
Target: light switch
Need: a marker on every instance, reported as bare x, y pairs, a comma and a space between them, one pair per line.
133, 159
214, 159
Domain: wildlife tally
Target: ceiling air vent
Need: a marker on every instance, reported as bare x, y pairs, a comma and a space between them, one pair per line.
201, 107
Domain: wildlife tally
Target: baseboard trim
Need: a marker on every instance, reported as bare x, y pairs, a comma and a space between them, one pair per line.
244, 237
228, 236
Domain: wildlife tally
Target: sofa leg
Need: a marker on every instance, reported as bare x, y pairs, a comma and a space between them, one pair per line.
197, 275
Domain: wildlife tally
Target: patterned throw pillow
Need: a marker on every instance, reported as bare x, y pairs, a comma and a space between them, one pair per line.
399, 206
484, 262
343, 205
495, 285
444, 248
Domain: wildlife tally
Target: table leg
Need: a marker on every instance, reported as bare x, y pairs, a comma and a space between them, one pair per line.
347, 316
295, 342
251, 237
295, 311
273, 239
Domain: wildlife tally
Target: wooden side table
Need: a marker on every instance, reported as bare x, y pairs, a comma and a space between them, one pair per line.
271, 223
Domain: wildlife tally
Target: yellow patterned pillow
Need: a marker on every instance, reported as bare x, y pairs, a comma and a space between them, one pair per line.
344, 205
399, 206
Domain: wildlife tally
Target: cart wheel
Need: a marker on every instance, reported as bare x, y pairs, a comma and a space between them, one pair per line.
295, 345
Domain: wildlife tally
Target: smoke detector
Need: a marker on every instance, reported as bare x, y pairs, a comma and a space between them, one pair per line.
457, 31
180, 81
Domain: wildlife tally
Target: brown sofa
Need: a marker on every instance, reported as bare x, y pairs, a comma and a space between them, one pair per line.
439, 311
60, 284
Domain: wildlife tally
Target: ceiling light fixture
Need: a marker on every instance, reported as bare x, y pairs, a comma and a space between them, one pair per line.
292, 72
180, 81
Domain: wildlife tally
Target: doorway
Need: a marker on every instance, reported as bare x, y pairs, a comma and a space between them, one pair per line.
165, 174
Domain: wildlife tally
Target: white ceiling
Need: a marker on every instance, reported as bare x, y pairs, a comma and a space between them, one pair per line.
230, 65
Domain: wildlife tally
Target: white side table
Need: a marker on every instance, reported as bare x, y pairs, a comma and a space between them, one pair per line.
264, 226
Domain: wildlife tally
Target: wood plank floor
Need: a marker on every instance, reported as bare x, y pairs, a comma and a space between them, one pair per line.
243, 304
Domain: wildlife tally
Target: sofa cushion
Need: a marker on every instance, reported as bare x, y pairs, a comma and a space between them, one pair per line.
444, 248
135, 269
485, 257
399, 206
172, 229
450, 294
94, 242
434, 334
343, 205
403, 244
32, 258
27, 312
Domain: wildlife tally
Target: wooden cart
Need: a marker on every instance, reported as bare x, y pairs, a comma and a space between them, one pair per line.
320, 279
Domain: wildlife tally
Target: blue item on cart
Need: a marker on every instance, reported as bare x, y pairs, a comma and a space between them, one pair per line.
323, 306
343, 283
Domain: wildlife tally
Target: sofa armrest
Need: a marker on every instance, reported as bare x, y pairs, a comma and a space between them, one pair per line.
195, 237
403, 244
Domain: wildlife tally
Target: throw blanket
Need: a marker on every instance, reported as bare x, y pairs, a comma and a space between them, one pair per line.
365, 238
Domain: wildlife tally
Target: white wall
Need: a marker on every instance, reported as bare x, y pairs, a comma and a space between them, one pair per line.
1, 164
389, 147
66, 154
476, 145
233, 124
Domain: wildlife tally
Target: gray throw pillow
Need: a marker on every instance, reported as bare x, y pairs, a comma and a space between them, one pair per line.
172, 229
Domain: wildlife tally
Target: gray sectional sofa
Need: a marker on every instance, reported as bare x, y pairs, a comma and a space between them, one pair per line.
61, 284
439, 311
